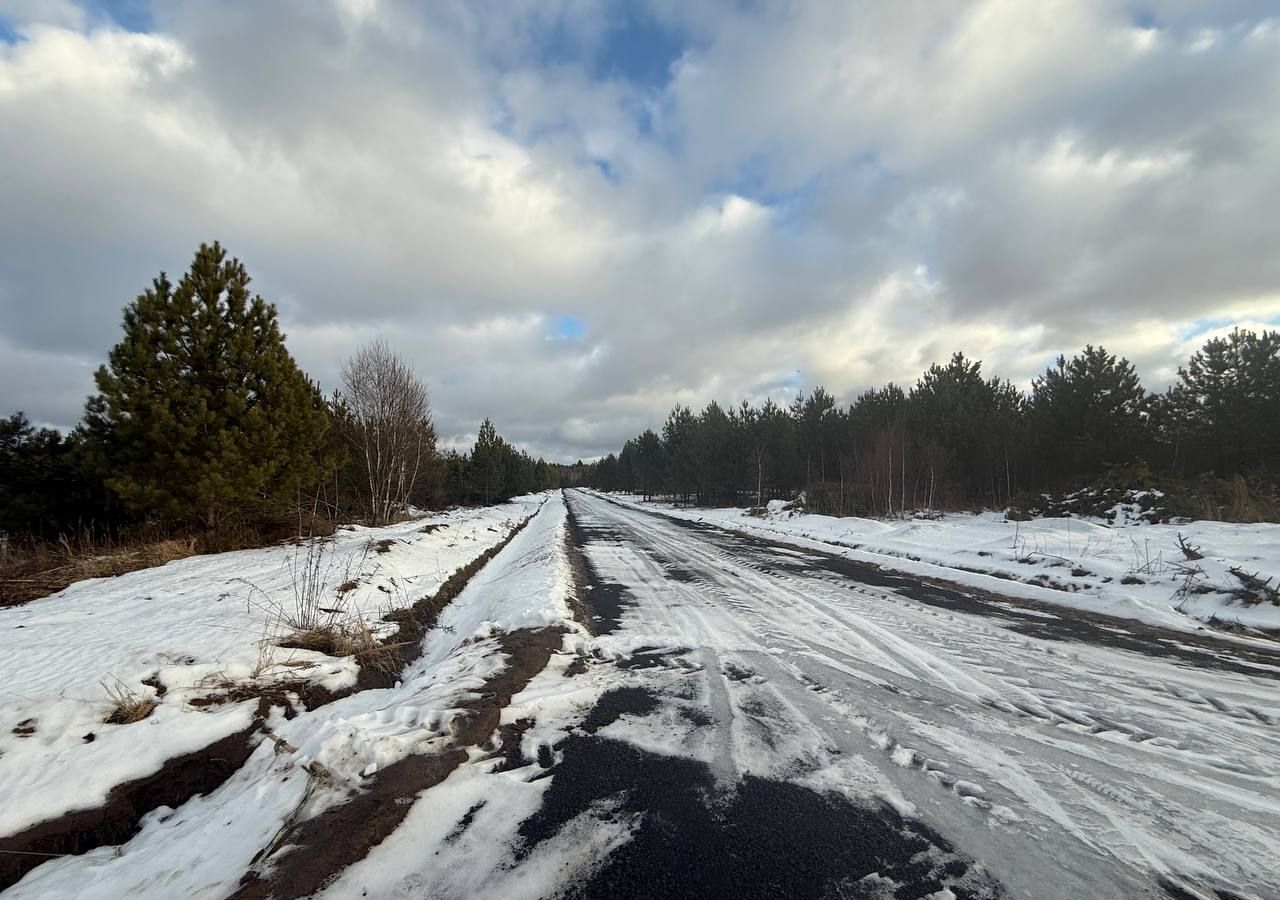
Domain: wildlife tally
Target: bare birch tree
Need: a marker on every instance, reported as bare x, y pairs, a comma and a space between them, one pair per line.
391, 434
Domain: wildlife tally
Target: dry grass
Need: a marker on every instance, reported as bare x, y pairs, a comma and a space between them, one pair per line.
127, 704
350, 638
46, 568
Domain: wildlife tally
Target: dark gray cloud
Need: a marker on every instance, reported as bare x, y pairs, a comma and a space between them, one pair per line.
723, 200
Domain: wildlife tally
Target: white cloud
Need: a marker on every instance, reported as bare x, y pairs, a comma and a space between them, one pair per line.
839, 193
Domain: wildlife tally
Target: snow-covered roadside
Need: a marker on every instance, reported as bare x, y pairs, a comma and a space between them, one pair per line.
203, 848
1136, 572
191, 629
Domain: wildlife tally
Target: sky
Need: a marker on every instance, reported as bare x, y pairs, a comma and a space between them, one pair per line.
569, 215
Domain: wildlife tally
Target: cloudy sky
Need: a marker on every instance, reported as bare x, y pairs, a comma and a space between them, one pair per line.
570, 214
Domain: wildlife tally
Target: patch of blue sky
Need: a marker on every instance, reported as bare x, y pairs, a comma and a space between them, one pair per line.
7, 33
638, 48
1144, 18
130, 15
634, 46
1203, 326
607, 169
757, 180
566, 327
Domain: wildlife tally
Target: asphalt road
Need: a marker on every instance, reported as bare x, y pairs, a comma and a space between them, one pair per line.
784, 723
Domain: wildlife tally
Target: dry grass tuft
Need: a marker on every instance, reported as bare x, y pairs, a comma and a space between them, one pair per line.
321, 639
351, 638
127, 704
370, 652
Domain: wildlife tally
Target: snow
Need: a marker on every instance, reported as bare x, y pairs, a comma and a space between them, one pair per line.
193, 624
1071, 562
432, 854
203, 849
1071, 770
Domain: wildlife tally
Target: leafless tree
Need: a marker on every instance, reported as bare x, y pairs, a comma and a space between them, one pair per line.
390, 430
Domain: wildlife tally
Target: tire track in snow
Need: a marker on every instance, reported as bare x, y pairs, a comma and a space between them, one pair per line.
1103, 758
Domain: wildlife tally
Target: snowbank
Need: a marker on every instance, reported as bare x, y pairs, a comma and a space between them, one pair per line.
1136, 572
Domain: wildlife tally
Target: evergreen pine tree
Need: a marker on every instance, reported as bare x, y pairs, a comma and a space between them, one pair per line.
206, 415
1229, 393
1087, 412
487, 462
678, 448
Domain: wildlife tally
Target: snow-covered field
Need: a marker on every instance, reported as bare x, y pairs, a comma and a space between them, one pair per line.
1135, 571
198, 627
203, 849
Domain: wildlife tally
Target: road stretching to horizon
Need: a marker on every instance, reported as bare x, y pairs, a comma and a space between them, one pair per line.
786, 722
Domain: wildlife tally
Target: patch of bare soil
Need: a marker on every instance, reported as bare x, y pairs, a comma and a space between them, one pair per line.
306, 855
415, 621
180, 779
581, 573
289, 696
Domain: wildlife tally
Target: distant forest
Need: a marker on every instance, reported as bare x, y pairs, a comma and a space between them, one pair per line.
203, 424
957, 440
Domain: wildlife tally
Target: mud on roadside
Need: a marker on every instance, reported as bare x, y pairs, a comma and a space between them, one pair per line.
306, 855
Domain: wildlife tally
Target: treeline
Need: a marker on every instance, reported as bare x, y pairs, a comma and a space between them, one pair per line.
958, 440
203, 423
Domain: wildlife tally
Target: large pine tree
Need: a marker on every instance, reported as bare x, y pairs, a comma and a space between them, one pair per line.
207, 417
1228, 395
1087, 412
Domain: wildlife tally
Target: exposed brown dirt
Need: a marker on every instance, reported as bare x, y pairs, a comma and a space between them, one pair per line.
322, 847
287, 695
579, 567
416, 620
180, 779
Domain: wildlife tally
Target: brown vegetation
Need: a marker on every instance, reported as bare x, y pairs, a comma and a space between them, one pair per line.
40, 569
127, 705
